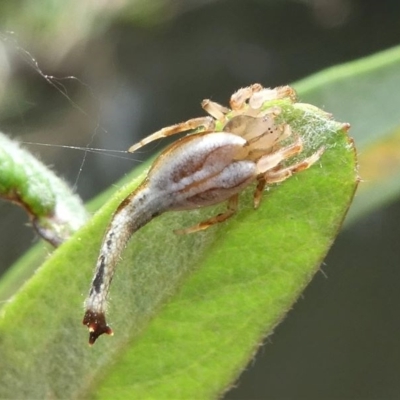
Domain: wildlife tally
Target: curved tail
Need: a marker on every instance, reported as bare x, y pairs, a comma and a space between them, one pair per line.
133, 213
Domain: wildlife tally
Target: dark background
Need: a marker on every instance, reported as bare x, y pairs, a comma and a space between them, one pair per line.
146, 69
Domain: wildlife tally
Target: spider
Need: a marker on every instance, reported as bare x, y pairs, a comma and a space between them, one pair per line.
231, 149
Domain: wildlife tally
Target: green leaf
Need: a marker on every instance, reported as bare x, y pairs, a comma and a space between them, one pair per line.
365, 94
188, 312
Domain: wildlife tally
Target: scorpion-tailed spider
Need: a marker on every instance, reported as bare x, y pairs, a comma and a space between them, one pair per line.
201, 169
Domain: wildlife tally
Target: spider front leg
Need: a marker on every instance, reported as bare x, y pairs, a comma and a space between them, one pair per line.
214, 109
239, 98
207, 123
280, 174
266, 94
232, 208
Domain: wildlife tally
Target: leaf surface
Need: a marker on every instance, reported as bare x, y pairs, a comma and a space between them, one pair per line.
188, 312
364, 93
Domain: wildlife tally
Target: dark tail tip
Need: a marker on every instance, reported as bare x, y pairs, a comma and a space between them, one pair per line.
97, 325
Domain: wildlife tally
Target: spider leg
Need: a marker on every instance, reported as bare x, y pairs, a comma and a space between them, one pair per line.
206, 122
272, 160
239, 98
269, 165
257, 99
279, 175
258, 193
232, 208
214, 109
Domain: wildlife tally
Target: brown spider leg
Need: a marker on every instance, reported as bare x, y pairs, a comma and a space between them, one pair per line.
259, 98
206, 122
232, 208
239, 98
258, 193
214, 109
271, 161
286, 91
279, 175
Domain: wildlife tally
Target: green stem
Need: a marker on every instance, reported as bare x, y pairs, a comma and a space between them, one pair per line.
54, 210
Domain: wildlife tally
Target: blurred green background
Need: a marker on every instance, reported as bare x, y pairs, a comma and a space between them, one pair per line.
143, 65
